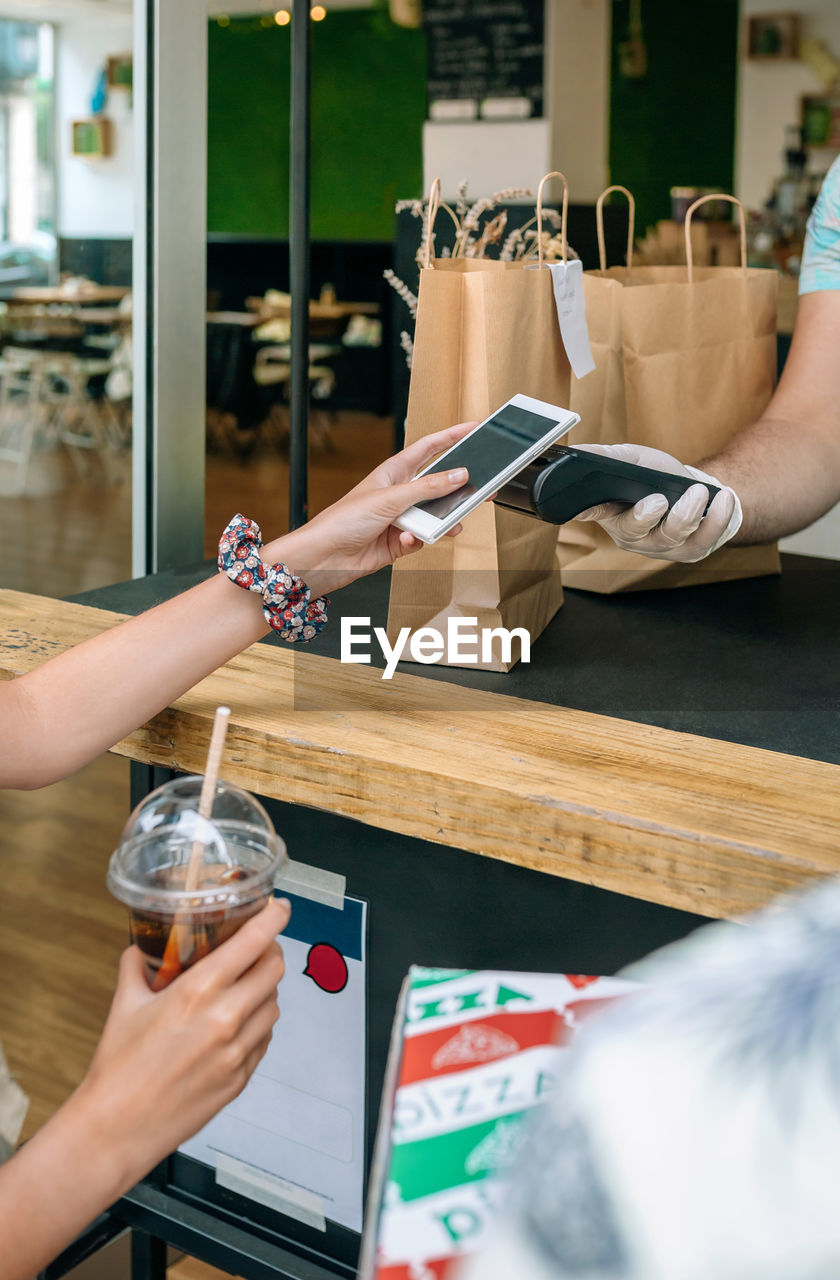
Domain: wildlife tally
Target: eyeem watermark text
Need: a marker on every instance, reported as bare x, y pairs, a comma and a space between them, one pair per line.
462, 643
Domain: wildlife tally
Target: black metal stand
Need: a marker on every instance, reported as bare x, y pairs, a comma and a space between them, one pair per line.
299, 266
145, 778
148, 1256
158, 1219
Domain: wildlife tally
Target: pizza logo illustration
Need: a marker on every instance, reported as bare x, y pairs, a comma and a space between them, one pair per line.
473, 1043
496, 1150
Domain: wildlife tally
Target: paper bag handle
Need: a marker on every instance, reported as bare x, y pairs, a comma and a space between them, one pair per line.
435, 205
599, 223
563, 215
689, 252
431, 214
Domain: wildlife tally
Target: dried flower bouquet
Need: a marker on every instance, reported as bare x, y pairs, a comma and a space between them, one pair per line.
479, 229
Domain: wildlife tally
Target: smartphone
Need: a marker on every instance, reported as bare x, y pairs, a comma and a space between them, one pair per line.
493, 452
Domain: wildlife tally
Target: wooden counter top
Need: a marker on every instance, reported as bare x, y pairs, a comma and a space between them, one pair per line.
681, 820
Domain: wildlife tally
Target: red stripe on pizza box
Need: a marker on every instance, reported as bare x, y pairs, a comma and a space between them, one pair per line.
471, 1044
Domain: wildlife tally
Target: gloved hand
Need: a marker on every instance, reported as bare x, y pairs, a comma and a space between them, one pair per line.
684, 534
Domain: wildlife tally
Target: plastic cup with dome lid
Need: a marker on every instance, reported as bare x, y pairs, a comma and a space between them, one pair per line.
189, 878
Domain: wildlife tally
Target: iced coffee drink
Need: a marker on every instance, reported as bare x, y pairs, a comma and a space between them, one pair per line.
190, 882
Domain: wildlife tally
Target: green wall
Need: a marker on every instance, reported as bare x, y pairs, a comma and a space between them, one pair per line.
675, 126
368, 107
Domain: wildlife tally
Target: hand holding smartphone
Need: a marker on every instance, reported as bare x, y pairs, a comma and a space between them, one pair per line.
493, 452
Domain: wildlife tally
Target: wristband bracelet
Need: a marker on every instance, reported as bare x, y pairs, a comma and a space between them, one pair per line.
287, 607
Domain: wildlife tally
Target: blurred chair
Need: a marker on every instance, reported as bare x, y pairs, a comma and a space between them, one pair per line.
37, 323
50, 397
24, 417
273, 368
84, 417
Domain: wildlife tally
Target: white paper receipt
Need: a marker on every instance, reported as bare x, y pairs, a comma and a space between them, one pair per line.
567, 279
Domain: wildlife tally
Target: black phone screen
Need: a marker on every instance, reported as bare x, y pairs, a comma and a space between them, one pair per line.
487, 452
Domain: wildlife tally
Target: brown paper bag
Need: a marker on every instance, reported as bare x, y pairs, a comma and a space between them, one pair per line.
684, 357
485, 330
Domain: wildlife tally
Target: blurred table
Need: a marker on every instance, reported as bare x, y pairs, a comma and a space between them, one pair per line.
55, 317
111, 317
317, 310
64, 327
245, 319
326, 319
47, 294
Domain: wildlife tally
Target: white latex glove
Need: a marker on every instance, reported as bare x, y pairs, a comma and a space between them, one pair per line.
684, 534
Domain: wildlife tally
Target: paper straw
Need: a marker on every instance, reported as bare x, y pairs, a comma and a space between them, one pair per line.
181, 935
208, 792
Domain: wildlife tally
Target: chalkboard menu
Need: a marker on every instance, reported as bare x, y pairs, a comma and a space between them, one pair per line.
485, 58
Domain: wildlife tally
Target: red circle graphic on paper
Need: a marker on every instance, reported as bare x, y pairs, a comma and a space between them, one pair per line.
326, 967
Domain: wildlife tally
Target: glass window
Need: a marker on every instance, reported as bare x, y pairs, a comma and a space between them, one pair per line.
66, 224
367, 112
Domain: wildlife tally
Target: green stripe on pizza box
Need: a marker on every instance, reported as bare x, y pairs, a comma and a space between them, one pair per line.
454, 1159
424, 977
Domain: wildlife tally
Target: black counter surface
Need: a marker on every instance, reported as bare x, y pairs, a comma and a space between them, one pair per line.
755, 662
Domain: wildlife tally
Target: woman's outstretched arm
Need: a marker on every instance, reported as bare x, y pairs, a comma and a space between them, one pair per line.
66, 712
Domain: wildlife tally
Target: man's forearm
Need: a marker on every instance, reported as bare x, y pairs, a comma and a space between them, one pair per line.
785, 468
786, 475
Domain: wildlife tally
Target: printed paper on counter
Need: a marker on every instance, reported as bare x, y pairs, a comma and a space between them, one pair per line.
301, 1118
